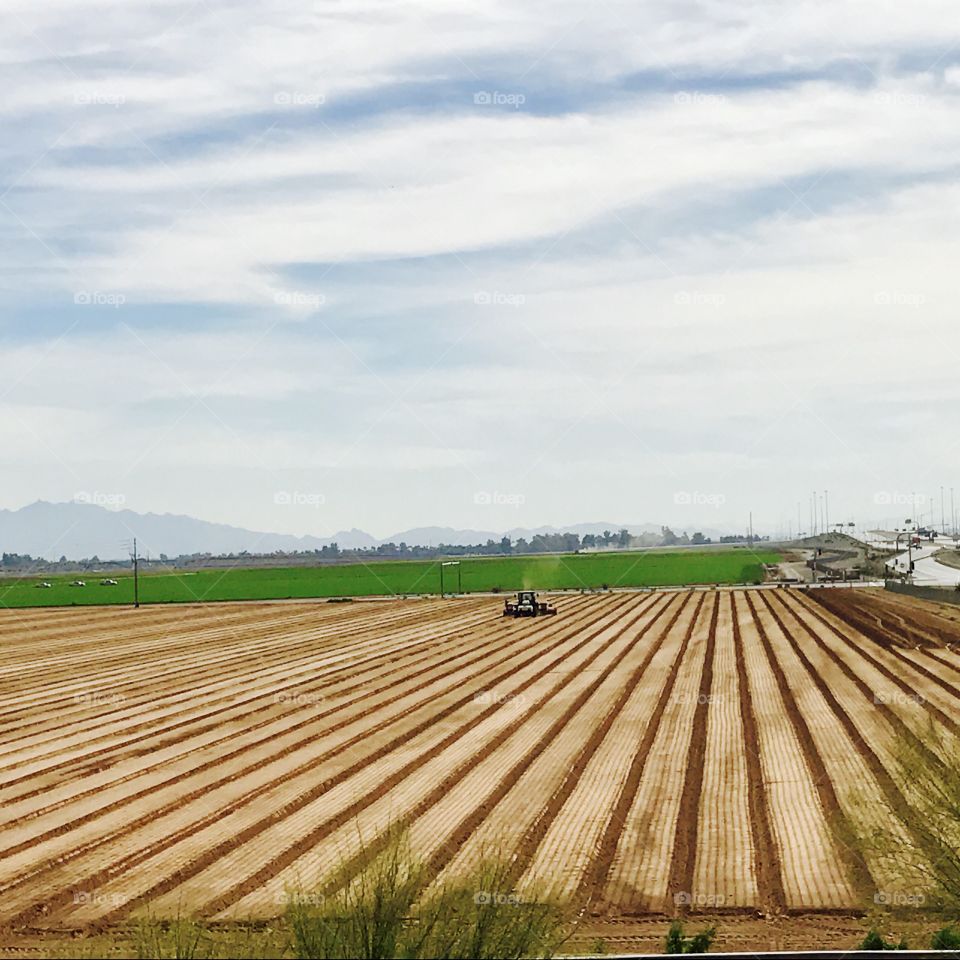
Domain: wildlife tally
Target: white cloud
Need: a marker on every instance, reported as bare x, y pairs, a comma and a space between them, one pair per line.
663, 265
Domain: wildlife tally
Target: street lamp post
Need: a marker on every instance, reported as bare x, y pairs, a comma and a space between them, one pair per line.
909, 535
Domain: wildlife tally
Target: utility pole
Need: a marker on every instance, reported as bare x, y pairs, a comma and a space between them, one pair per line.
826, 510
943, 521
136, 576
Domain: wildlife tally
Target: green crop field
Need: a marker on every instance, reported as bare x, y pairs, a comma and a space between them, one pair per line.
553, 572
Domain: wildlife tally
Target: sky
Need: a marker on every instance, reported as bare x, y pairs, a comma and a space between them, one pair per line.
307, 267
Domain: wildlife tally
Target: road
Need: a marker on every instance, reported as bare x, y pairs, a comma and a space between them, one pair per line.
927, 571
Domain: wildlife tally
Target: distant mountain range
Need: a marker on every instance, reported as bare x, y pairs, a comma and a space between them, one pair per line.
80, 530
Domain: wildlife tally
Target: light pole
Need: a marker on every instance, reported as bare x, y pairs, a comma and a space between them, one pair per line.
909, 535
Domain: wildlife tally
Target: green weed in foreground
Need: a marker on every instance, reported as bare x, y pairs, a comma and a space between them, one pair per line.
383, 913
376, 912
180, 939
678, 942
874, 941
947, 938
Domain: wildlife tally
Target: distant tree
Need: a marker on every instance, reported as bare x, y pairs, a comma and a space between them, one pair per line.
698, 538
589, 541
667, 537
623, 539
607, 538
506, 546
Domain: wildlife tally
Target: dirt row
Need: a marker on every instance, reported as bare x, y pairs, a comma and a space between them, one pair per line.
651, 754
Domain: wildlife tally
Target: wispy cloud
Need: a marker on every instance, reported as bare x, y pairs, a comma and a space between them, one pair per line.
410, 252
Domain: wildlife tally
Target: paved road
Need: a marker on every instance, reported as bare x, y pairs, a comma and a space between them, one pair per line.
926, 571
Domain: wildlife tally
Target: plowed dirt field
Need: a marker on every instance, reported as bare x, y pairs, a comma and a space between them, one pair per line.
645, 754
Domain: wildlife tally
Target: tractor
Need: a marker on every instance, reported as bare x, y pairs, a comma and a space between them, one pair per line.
527, 605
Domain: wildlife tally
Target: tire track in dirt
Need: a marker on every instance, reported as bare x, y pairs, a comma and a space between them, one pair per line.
941, 681
684, 856
924, 616
773, 898
940, 658
857, 869
872, 695
211, 855
595, 878
884, 628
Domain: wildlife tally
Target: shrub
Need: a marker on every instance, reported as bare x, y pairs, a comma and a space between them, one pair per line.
947, 938
382, 912
874, 941
678, 942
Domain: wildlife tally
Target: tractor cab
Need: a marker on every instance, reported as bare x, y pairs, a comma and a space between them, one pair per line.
527, 605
